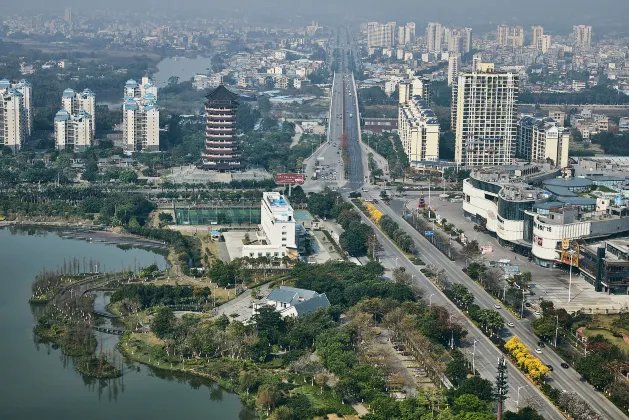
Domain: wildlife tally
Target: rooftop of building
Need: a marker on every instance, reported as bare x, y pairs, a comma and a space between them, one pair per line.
520, 191
621, 245
568, 182
291, 295
221, 95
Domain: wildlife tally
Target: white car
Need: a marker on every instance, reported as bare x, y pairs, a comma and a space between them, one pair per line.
538, 313
510, 324
497, 306
538, 351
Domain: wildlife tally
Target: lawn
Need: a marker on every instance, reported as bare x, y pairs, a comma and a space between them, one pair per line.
327, 400
605, 324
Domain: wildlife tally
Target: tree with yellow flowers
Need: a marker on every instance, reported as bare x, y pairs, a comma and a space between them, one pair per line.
374, 213
525, 360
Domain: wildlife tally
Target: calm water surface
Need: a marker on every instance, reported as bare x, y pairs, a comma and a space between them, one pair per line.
37, 381
182, 67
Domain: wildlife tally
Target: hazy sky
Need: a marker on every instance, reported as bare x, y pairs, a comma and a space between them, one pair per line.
553, 13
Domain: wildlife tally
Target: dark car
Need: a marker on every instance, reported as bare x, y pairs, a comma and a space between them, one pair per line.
528, 305
550, 367
541, 344
565, 365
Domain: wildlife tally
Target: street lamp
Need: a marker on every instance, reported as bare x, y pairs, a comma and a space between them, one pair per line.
430, 301
522, 305
396, 262
571, 252
517, 402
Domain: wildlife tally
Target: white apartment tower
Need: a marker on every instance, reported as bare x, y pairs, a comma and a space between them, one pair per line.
75, 102
502, 35
15, 113
381, 34
140, 116
517, 36
542, 140
73, 132
538, 33
434, 34
484, 117
417, 126
543, 43
467, 40
406, 34
582, 35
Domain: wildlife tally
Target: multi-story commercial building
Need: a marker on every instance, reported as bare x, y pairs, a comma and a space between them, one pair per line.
484, 117
406, 34
502, 36
75, 102
417, 126
222, 152
13, 117
546, 223
605, 265
582, 35
538, 33
434, 37
73, 132
381, 34
140, 116
277, 235
453, 68
542, 140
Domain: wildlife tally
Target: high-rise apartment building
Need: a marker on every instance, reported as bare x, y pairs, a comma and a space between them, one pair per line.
538, 33
75, 102
543, 43
15, 113
453, 68
542, 140
68, 15
381, 34
434, 36
222, 152
503, 35
73, 132
582, 35
417, 124
406, 34
466, 40
516, 38
484, 116
140, 116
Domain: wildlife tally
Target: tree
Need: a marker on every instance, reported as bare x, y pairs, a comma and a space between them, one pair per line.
269, 324
163, 322
456, 369
475, 385
526, 413
268, 395
401, 276
501, 387
468, 403
165, 217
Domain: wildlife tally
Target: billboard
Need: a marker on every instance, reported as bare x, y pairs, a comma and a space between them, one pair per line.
295, 179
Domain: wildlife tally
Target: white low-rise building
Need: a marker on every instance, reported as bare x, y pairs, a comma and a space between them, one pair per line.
276, 237
291, 301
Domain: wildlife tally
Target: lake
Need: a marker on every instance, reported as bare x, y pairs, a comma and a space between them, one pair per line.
182, 67
37, 381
